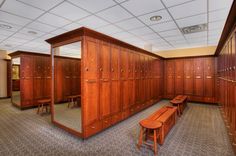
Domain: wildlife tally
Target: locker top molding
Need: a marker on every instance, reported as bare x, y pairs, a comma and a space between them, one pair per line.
78, 34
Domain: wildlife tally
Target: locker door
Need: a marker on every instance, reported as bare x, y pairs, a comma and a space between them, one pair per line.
188, 77
104, 70
38, 79
179, 73
115, 84
169, 74
209, 77
198, 77
91, 82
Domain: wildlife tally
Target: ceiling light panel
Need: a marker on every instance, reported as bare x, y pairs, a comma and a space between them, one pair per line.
130, 24
42, 4
219, 4
21, 9
34, 33
94, 5
189, 9
92, 22
69, 11
193, 20
163, 13
114, 14
164, 26
57, 21
9, 18
140, 7
170, 3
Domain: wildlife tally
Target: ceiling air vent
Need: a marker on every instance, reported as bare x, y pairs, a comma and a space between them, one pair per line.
194, 28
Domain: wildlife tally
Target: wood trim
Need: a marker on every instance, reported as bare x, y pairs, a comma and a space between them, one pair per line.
189, 57
74, 35
228, 28
17, 53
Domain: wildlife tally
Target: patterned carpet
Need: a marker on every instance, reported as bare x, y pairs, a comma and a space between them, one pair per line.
199, 132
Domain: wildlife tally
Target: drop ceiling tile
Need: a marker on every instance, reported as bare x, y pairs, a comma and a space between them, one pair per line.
163, 13
42, 4
164, 26
189, 9
167, 33
41, 27
24, 36
5, 32
109, 29
27, 31
130, 24
150, 36
193, 20
120, 1
218, 15
215, 32
139, 7
219, 4
114, 14
92, 22
122, 35
196, 35
20, 9
59, 31
69, 11
13, 19
174, 38
45, 37
216, 25
178, 42
94, 5
170, 3
72, 26
141, 31
2, 37
53, 20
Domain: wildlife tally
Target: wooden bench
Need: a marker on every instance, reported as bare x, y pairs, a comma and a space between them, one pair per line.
72, 99
180, 102
43, 103
166, 116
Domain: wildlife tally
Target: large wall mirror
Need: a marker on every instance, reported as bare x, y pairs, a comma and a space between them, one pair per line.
16, 81
67, 86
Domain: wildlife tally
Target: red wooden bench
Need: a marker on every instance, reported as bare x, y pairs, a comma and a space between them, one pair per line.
180, 102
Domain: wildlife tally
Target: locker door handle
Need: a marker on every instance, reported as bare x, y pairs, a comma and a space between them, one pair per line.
208, 77
101, 69
198, 77
112, 69
86, 69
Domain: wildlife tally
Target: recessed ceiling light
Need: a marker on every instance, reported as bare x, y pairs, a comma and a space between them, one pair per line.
155, 18
32, 32
4, 26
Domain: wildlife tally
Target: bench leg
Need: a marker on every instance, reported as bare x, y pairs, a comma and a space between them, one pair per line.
155, 142
140, 137
38, 109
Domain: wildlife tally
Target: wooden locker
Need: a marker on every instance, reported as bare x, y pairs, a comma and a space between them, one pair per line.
209, 79
188, 77
169, 79
179, 74
115, 84
104, 79
198, 77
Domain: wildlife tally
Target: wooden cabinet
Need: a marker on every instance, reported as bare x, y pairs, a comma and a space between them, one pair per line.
188, 77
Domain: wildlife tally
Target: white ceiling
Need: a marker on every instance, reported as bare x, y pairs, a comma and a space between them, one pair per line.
127, 20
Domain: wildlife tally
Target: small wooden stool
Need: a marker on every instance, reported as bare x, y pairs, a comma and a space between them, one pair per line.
72, 100
43, 103
148, 125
